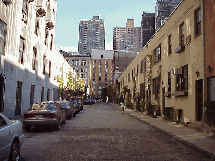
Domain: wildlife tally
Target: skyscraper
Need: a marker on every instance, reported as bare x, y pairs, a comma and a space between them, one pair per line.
163, 9
147, 27
127, 38
91, 35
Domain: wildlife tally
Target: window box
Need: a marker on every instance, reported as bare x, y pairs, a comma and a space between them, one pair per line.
180, 49
182, 93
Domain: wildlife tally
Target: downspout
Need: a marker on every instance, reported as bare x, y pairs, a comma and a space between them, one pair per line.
203, 104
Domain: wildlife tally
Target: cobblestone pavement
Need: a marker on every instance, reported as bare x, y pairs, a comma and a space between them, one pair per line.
101, 132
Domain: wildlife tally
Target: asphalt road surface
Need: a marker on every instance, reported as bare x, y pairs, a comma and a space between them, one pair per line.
102, 132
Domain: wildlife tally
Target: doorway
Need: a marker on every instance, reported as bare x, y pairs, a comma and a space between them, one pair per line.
18, 98
199, 99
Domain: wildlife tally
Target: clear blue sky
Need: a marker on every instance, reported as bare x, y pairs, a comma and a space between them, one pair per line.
114, 13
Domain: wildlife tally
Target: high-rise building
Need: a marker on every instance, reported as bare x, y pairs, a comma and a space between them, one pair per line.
147, 27
102, 70
163, 9
127, 38
91, 35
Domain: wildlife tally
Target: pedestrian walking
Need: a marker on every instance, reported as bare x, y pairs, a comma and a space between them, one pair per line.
122, 105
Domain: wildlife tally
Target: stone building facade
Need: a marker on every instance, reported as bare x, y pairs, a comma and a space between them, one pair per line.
169, 71
30, 65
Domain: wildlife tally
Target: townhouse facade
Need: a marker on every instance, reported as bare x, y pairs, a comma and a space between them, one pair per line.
168, 73
30, 65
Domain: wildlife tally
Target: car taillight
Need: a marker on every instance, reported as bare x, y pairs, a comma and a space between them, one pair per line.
49, 115
28, 115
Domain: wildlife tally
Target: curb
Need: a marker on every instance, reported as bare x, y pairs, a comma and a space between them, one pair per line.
190, 145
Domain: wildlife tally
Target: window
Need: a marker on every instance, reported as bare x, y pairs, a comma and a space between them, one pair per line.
182, 79
100, 62
48, 94
51, 43
36, 27
46, 35
156, 85
169, 44
181, 34
100, 70
50, 68
128, 77
157, 54
42, 94
106, 70
197, 21
21, 50
143, 65
169, 81
34, 58
44, 64
2, 122
81, 69
3, 30
24, 11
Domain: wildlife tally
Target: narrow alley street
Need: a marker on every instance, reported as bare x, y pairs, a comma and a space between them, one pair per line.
102, 132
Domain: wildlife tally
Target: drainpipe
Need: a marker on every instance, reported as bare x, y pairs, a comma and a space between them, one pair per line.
203, 104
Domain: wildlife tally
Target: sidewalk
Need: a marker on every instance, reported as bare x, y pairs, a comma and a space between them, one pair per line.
194, 139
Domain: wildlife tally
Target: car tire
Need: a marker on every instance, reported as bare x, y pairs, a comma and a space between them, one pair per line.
74, 114
27, 128
70, 117
57, 127
15, 151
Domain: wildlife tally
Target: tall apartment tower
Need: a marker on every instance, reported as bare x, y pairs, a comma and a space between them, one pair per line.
127, 38
163, 9
101, 70
147, 27
91, 35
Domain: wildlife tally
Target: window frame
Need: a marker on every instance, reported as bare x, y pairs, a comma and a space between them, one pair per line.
197, 22
170, 44
181, 34
3, 32
157, 54
21, 50
182, 80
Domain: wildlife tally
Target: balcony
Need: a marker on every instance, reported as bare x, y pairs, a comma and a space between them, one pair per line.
50, 25
7, 2
41, 12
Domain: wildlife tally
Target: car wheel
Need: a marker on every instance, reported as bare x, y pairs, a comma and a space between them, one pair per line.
27, 128
70, 117
57, 127
64, 121
14, 151
74, 114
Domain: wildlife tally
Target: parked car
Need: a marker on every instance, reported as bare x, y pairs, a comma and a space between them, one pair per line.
80, 102
75, 105
68, 108
88, 101
46, 113
11, 138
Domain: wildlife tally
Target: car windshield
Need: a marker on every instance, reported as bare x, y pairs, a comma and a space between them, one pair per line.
64, 103
43, 106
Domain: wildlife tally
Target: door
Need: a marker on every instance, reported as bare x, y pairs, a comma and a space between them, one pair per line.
199, 99
18, 99
32, 95
2, 89
163, 100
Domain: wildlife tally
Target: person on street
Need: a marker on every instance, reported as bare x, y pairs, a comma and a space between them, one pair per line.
122, 105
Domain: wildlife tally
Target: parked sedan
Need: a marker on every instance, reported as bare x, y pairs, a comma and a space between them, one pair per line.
79, 100
46, 113
75, 104
11, 138
88, 102
68, 108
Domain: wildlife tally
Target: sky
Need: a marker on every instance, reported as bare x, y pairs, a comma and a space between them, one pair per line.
113, 12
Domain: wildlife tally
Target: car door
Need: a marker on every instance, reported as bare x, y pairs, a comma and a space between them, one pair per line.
5, 138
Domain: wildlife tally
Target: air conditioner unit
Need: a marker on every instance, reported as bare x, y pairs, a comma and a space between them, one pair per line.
176, 71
